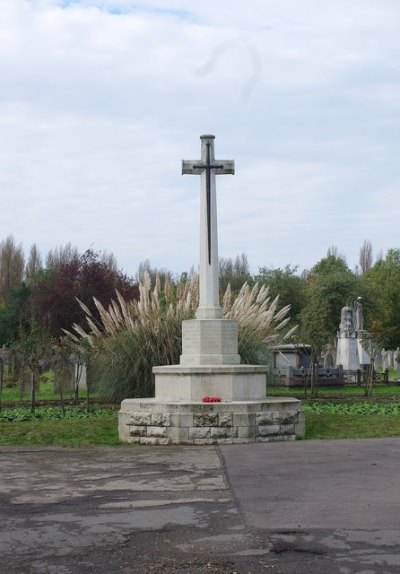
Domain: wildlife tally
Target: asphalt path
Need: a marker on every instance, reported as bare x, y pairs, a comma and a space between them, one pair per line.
304, 507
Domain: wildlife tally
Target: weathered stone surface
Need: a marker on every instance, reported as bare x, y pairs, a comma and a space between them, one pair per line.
160, 419
244, 420
139, 419
225, 420
205, 420
268, 430
224, 432
156, 431
182, 420
137, 430
263, 419
200, 432
178, 434
245, 432
199, 423
287, 419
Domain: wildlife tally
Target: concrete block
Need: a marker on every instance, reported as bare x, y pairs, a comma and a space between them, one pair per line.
224, 432
286, 418
209, 342
160, 420
181, 420
245, 419
246, 432
263, 419
178, 433
205, 420
157, 432
267, 430
139, 419
199, 432
137, 430
224, 420
287, 429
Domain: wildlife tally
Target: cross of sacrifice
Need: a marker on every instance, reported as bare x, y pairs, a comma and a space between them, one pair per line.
207, 167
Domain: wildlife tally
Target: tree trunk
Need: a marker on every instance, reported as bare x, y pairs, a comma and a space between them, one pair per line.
33, 390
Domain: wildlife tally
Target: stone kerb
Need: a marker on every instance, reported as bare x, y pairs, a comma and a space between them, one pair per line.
148, 421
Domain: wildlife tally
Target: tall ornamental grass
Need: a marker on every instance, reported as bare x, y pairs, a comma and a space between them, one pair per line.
133, 337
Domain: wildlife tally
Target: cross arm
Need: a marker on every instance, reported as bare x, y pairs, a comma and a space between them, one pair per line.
188, 167
228, 167
192, 167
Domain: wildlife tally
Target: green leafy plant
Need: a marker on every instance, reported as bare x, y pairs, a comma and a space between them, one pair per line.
360, 408
21, 414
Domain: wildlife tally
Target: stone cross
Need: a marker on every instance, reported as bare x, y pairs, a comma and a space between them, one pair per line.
207, 167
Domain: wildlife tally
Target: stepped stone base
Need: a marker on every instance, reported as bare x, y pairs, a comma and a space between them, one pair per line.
157, 422
192, 383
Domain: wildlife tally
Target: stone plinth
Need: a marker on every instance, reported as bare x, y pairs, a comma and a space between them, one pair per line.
192, 383
363, 356
209, 342
347, 352
151, 421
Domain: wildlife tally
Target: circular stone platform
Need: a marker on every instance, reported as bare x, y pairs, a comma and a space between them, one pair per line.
157, 422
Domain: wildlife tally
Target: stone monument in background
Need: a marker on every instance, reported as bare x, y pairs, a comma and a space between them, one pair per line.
210, 364
351, 354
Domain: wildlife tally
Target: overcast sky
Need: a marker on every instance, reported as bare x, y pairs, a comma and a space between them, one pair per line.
100, 100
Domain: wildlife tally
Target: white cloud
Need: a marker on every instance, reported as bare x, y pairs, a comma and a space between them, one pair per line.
100, 100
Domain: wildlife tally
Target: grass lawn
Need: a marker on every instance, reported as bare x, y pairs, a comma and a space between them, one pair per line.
45, 392
64, 432
349, 391
337, 426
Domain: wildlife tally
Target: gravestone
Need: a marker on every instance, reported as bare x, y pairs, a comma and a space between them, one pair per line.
210, 364
351, 354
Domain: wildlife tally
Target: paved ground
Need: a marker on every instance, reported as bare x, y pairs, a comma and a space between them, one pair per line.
306, 507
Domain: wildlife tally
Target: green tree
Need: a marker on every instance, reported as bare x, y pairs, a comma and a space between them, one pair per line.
234, 272
382, 284
14, 312
329, 286
288, 285
12, 264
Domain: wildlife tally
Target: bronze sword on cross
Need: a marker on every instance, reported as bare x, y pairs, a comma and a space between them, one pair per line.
210, 166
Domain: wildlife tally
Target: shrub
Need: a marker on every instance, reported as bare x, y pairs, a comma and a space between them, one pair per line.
133, 337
